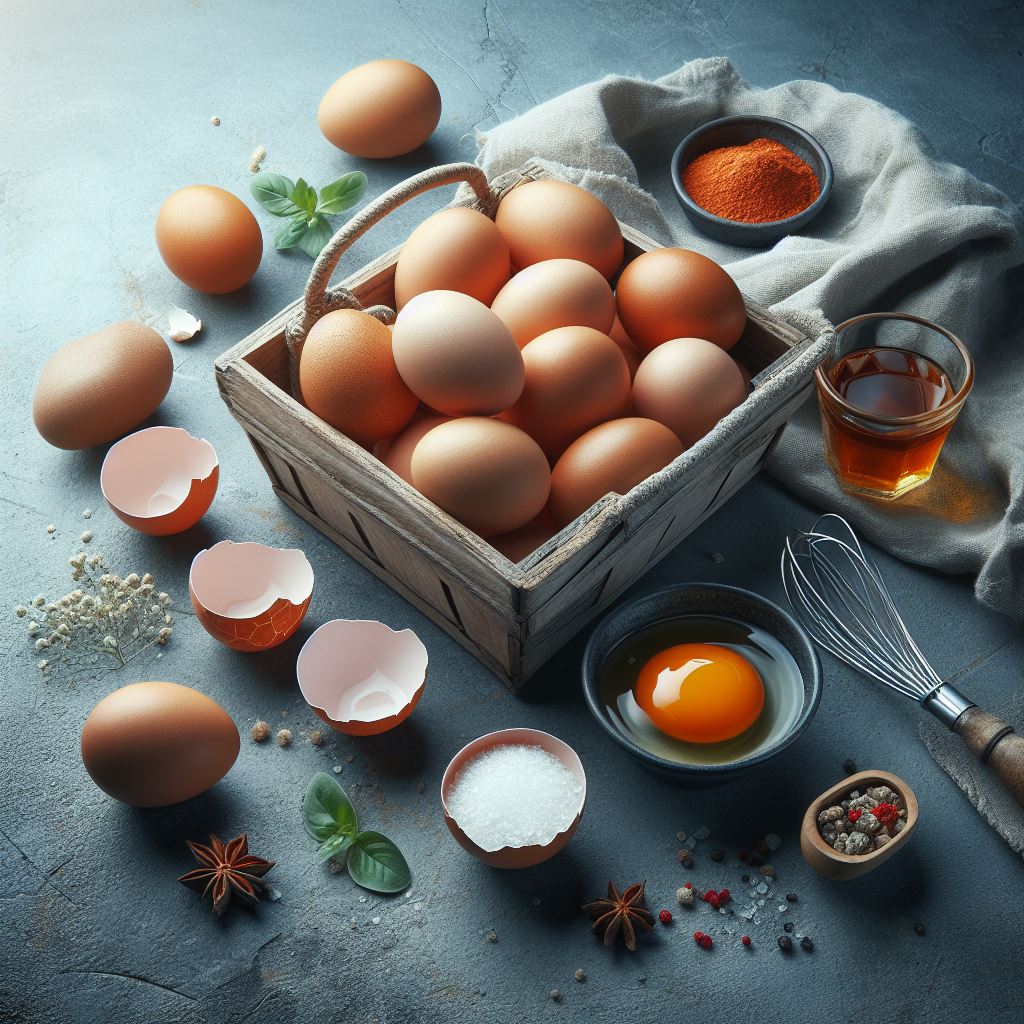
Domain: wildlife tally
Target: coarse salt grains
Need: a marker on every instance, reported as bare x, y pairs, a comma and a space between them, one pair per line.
514, 795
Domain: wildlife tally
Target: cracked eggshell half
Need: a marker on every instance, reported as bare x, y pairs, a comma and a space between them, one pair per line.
248, 596
160, 480
360, 676
513, 856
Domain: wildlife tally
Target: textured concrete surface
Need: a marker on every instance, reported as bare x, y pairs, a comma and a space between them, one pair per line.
106, 110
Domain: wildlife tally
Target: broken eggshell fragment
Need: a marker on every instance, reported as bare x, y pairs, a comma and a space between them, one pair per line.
360, 676
513, 856
249, 596
160, 480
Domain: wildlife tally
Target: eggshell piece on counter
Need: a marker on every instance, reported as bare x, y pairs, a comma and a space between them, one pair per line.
381, 109
161, 480
552, 294
360, 676
548, 219
249, 596
98, 387
576, 377
458, 250
688, 384
156, 744
209, 239
676, 293
348, 377
522, 543
456, 355
611, 458
490, 476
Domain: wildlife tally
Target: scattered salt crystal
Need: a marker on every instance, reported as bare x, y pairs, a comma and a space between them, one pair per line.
703, 832
87, 513
362, 899
772, 841
514, 795
690, 843
762, 889
273, 894
681, 836
51, 528
337, 769
376, 920
535, 901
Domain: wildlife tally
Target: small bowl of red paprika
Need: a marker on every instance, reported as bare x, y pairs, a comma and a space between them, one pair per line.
751, 180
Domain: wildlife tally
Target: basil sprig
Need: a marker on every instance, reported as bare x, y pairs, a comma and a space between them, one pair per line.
308, 226
372, 860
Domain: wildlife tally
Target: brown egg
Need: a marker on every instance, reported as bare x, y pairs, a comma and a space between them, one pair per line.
555, 293
348, 378
634, 357
456, 355
209, 239
611, 458
576, 377
381, 109
744, 372
521, 543
549, 220
458, 250
489, 475
688, 384
154, 744
676, 293
98, 387
396, 454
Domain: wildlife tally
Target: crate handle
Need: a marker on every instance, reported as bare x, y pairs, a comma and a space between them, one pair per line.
320, 298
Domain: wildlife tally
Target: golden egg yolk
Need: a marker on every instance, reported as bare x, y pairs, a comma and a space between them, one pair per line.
700, 693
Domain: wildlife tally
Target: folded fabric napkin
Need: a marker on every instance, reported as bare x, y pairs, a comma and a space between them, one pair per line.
902, 230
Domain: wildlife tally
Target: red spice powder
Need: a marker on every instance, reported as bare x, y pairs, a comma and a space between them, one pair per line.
760, 182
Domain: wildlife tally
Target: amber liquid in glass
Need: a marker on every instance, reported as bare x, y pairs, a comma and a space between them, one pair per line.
889, 382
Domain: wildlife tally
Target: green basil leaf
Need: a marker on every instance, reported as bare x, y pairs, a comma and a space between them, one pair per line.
318, 233
304, 196
327, 811
272, 192
375, 863
331, 847
343, 193
290, 234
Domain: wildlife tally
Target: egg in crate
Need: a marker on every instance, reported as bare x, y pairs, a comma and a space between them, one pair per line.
688, 384
676, 293
490, 476
611, 458
576, 378
456, 355
548, 219
348, 377
459, 250
555, 293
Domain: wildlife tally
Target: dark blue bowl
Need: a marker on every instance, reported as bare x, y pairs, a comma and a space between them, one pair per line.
738, 130
708, 599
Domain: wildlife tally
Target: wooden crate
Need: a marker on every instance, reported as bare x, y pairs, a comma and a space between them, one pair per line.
512, 618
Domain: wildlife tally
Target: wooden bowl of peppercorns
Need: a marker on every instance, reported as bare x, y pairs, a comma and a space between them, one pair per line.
880, 796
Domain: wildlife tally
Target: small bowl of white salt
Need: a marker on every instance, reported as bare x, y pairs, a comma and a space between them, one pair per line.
513, 798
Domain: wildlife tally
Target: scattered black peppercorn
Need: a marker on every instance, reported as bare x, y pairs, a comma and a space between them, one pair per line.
849, 766
718, 856
791, 897
744, 878
806, 944
754, 861
788, 926
919, 928
785, 943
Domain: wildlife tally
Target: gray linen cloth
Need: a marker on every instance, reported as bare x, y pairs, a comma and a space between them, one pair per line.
902, 230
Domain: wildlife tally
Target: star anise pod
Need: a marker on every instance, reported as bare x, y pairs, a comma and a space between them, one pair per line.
228, 869
625, 913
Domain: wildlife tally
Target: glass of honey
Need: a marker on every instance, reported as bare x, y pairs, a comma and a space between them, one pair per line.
890, 391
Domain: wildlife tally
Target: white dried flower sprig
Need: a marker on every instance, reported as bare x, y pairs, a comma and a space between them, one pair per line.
104, 616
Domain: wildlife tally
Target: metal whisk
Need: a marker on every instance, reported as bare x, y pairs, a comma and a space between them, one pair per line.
840, 597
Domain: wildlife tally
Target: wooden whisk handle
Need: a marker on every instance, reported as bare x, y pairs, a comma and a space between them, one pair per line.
994, 743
